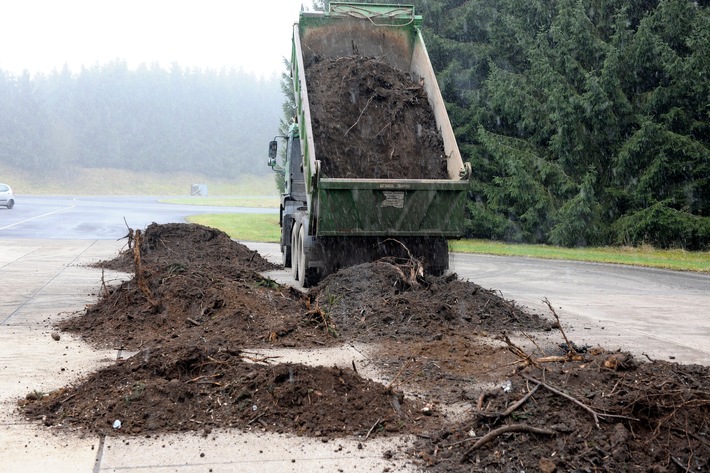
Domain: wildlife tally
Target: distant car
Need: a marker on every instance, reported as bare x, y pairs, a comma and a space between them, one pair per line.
6, 197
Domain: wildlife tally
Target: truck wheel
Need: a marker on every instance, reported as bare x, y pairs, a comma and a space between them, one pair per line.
286, 256
295, 250
307, 277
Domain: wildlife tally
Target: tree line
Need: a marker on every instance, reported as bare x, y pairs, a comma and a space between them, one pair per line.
216, 123
585, 121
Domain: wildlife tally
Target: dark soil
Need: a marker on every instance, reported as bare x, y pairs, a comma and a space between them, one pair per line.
437, 340
371, 120
650, 417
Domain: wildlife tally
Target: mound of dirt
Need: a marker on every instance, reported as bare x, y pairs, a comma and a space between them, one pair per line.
194, 245
371, 120
370, 301
198, 283
455, 378
180, 388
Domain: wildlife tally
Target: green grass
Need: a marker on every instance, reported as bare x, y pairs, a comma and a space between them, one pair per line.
265, 227
644, 256
243, 227
252, 202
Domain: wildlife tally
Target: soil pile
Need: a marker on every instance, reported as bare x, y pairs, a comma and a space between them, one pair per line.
442, 343
371, 120
181, 388
371, 301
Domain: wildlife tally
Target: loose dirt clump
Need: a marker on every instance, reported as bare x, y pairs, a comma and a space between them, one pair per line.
466, 370
370, 120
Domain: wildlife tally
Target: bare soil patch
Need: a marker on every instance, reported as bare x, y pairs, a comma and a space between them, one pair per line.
439, 342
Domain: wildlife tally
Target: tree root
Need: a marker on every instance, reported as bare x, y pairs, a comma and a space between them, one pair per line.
493, 434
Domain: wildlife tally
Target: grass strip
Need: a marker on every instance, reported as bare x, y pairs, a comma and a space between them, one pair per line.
243, 227
647, 256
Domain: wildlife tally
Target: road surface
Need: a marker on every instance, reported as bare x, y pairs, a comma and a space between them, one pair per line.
94, 217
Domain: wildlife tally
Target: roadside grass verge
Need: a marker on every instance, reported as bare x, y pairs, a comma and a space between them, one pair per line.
265, 228
243, 227
647, 256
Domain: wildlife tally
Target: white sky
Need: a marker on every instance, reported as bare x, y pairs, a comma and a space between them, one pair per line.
43, 35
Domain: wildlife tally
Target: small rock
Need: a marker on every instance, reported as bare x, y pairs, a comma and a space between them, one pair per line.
547, 465
55, 336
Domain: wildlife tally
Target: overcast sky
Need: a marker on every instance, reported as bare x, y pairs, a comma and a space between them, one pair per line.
42, 35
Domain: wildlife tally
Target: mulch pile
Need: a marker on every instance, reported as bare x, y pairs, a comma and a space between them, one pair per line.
370, 120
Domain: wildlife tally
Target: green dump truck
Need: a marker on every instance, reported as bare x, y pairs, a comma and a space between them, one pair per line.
373, 208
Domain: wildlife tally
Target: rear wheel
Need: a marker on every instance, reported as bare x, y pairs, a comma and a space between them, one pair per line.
286, 256
307, 277
295, 250
10, 204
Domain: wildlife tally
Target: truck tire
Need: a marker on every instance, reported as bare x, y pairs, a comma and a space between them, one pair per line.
286, 256
307, 277
295, 249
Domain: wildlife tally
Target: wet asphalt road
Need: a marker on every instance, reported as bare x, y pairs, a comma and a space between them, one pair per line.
93, 217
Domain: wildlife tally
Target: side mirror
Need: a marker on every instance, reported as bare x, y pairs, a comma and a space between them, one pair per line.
272, 149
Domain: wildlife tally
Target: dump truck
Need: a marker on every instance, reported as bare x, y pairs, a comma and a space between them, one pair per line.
329, 222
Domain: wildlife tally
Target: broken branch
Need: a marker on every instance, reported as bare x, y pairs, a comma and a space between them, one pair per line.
570, 347
493, 434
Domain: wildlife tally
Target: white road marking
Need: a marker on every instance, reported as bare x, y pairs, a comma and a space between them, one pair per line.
38, 216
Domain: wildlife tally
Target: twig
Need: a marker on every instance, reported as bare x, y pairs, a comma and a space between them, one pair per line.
399, 373
678, 462
519, 352
373, 427
104, 289
493, 434
129, 235
570, 347
532, 340
138, 269
358, 118
256, 418
649, 358
216, 375
479, 404
512, 408
257, 359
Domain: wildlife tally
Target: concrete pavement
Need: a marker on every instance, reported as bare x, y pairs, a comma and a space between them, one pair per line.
45, 280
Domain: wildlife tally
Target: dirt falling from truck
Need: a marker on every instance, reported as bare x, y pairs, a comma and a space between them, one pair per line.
371, 120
